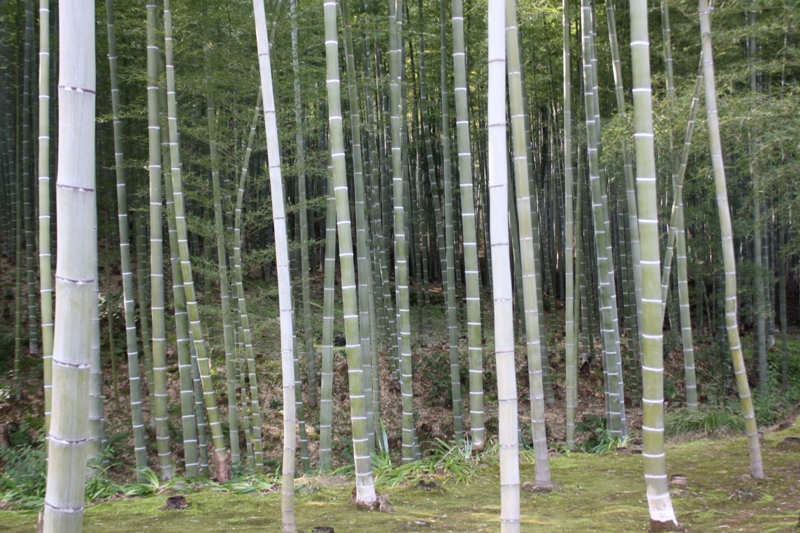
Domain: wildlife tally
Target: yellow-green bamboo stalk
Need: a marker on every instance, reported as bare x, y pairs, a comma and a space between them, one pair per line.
470, 238
203, 360
653, 456
571, 344
45, 263
729, 261
526, 250
159, 383
253, 411
365, 488
75, 197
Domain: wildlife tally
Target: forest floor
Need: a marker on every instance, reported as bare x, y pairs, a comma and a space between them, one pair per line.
598, 492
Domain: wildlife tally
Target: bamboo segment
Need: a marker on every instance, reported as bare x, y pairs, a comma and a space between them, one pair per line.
75, 197
756, 467
329, 274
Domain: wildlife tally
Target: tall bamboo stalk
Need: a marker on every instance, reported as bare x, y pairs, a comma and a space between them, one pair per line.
470, 238
501, 284
653, 456
526, 250
203, 360
365, 488
45, 260
282, 263
571, 345
756, 467
75, 197
400, 242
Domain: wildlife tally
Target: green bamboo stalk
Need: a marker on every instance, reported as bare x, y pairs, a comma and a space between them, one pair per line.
142, 277
610, 327
501, 286
282, 262
570, 342
27, 167
219, 229
756, 467
450, 267
45, 260
253, 410
308, 332
64, 497
653, 456
365, 489
96, 411
159, 383
470, 238
188, 416
400, 232
203, 360
362, 245
329, 275
523, 200
633, 226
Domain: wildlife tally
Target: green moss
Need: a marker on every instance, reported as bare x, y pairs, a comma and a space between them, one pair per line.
598, 493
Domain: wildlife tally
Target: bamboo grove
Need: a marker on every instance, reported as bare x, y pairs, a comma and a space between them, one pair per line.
543, 179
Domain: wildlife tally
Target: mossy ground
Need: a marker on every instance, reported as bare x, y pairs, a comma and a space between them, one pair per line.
598, 493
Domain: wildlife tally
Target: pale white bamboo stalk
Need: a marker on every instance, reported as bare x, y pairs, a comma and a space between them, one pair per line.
282, 267
501, 280
75, 197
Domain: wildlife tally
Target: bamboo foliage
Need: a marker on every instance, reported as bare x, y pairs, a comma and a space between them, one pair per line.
75, 197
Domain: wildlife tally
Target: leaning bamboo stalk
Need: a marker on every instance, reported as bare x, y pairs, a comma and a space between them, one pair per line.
203, 357
75, 196
731, 319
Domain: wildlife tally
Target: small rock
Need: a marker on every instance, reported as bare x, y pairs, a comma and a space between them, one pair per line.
677, 481
539, 489
427, 485
745, 495
656, 527
177, 503
422, 523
